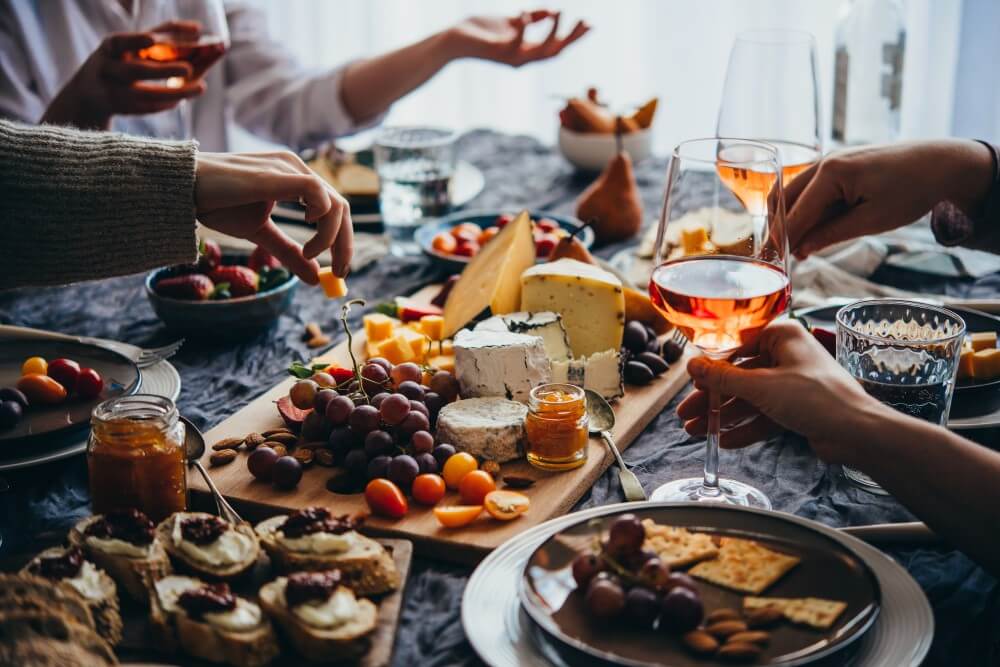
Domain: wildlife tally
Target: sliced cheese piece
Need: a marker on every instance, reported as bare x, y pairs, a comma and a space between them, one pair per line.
590, 301
491, 428
986, 364
493, 278
500, 363
639, 307
983, 340
378, 326
548, 326
443, 362
599, 372
966, 364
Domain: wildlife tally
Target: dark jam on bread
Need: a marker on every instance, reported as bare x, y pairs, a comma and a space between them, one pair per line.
311, 586
208, 599
65, 566
202, 530
129, 525
311, 520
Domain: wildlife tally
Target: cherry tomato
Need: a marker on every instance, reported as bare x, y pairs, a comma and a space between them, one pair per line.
386, 499
65, 372
444, 242
545, 245
503, 220
41, 389
456, 467
487, 235
456, 516
547, 225
89, 384
35, 365
428, 489
506, 505
467, 230
467, 249
474, 486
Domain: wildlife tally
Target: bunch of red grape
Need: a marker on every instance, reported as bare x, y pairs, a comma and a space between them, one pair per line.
622, 580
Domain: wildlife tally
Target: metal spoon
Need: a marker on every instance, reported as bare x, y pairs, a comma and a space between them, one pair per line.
602, 420
194, 445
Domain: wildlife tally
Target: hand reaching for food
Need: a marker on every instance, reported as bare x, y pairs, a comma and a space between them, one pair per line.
502, 39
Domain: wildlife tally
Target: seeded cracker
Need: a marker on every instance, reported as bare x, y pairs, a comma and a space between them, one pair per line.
744, 565
677, 546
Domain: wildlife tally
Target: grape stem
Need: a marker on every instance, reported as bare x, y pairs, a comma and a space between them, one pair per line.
344, 312
617, 567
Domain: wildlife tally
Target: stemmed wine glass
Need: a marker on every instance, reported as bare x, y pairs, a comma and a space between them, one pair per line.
771, 94
722, 299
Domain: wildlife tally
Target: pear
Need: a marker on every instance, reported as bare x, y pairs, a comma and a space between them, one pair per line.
569, 247
611, 204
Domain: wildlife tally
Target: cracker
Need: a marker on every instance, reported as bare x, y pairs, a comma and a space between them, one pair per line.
745, 566
816, 612
677, 546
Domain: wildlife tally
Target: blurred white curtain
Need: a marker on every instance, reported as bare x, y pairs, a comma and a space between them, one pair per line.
675, 49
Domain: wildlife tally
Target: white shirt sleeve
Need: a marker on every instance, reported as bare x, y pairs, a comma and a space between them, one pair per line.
275, 97
18, 98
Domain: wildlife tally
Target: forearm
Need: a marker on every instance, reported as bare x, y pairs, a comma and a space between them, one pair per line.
68, 108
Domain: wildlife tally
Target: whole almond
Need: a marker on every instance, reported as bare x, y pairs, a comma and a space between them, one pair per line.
318, 341
739, 651
286, 439
751, 637
304, 456
764, 617
227, 443
723, 614
272, 444
222, 457
724, 629
700, 642
253, 440
312, 331
281, 450
324, 457
273, 431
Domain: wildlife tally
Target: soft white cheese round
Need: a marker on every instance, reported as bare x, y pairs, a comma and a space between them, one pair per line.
229, 548
119, 547
318, 543
245, 616
339, 608
170, 588
87, 582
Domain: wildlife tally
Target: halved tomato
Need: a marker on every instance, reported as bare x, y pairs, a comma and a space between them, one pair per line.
506, 505
456, 516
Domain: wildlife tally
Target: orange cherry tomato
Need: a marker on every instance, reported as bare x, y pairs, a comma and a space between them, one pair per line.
506, 505
41, 389
468, 230
386, 499
35, 366
428, 489
444, 242
467, 249
456, 516
487, 234
545, 244
474, 487
456, 467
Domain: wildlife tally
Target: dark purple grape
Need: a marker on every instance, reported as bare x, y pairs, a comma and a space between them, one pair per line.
12, 394
420, 407
411, 390
339, 410
286, 472
342, 440
445, 385
634, 561
642, 606
654, 361
680, 580
323, 398
426, 462
381, 361
415, 421
394, 409
378, 443
260, 462
403, 469
654, 573
10, 413
378, 398
364, 419
605, 598
585, 567
316, 427
635, 337
681, 611
349, 388
637, 373
422, 442
671, 351
356, 463
375, 377
625, 536
434, 404
378, 467
442, 453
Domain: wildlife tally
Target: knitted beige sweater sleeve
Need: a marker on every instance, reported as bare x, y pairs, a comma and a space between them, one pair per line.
84, 205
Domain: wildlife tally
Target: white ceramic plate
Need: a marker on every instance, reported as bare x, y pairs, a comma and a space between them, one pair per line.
499, 631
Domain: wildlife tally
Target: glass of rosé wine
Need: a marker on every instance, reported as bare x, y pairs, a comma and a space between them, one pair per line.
720, 272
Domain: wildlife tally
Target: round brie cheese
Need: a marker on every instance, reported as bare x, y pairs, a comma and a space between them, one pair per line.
229, 548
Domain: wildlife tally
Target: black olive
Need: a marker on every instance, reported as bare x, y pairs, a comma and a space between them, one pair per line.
654, 361
635, 337
638, 373
672, 351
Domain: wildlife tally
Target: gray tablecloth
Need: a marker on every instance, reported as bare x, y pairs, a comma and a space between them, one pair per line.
219, 379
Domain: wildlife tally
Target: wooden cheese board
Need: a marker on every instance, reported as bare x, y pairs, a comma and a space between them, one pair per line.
553, 494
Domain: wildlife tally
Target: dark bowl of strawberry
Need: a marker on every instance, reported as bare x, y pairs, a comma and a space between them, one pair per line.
222, 296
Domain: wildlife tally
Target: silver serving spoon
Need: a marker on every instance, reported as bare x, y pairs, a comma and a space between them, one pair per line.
194, 445
602, 420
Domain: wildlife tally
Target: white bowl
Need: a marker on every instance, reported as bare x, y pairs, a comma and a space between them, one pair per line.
589, 151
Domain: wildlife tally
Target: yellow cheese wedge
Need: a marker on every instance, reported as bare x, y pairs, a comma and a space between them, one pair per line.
432, 326
333, 286
378, 327
986, 364
493, 278
983, 340
639, 307
590, 300
397, 349
966, 364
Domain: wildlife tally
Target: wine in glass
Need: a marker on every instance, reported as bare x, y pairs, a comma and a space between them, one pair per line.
771, 94
722, 299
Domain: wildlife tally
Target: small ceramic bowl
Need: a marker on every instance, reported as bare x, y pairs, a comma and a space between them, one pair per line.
588, 151
241, 317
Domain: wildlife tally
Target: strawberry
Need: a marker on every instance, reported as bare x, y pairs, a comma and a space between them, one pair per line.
194, 287
209, 255
261, 258
243, 281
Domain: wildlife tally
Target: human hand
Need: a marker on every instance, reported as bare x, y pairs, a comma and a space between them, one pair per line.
234, 194
789, 381
501, 39
871, 190
109, 82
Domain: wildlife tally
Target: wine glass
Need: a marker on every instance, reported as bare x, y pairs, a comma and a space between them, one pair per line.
771, 94
722, 295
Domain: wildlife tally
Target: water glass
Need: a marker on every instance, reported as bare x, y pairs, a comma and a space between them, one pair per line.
903, 353
415, 166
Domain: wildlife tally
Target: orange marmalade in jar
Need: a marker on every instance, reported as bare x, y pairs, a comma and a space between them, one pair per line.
136, 457
556, 427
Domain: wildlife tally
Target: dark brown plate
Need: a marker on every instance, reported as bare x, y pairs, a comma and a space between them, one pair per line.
120, 374
828, 569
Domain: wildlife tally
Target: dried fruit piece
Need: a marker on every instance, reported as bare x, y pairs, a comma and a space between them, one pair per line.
751, 636
222, 457
279, 449
253, 440
312, 331
314, 444
492, 467
739, 651
227, 443
324, 457
318, 341
275, 431
724, 629
287, 439
700, 642
724, 614
304, 456
516, 482
764, 617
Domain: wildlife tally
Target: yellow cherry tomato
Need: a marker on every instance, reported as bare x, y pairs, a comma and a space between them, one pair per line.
456, 467
36, 365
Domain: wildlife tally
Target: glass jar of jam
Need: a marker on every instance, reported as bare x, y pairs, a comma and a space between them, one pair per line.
136, 457
556, 427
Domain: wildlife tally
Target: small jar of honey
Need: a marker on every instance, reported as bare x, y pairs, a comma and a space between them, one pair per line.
136, 457
556, 427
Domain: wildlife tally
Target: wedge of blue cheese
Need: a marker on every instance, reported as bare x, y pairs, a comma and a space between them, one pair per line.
500, 363
490, 428
600, 372
546, 325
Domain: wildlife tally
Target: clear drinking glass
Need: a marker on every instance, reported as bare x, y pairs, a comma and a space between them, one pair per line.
771, 94
903, 353
727, 278
415, 166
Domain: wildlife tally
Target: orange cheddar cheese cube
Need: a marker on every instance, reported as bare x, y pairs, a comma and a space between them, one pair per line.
983, 340
396, 349
432, 326
446, 347
966, 364
417, 341
694, 239
378, 327
371, 348
986, 364
443, 362
333, 286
